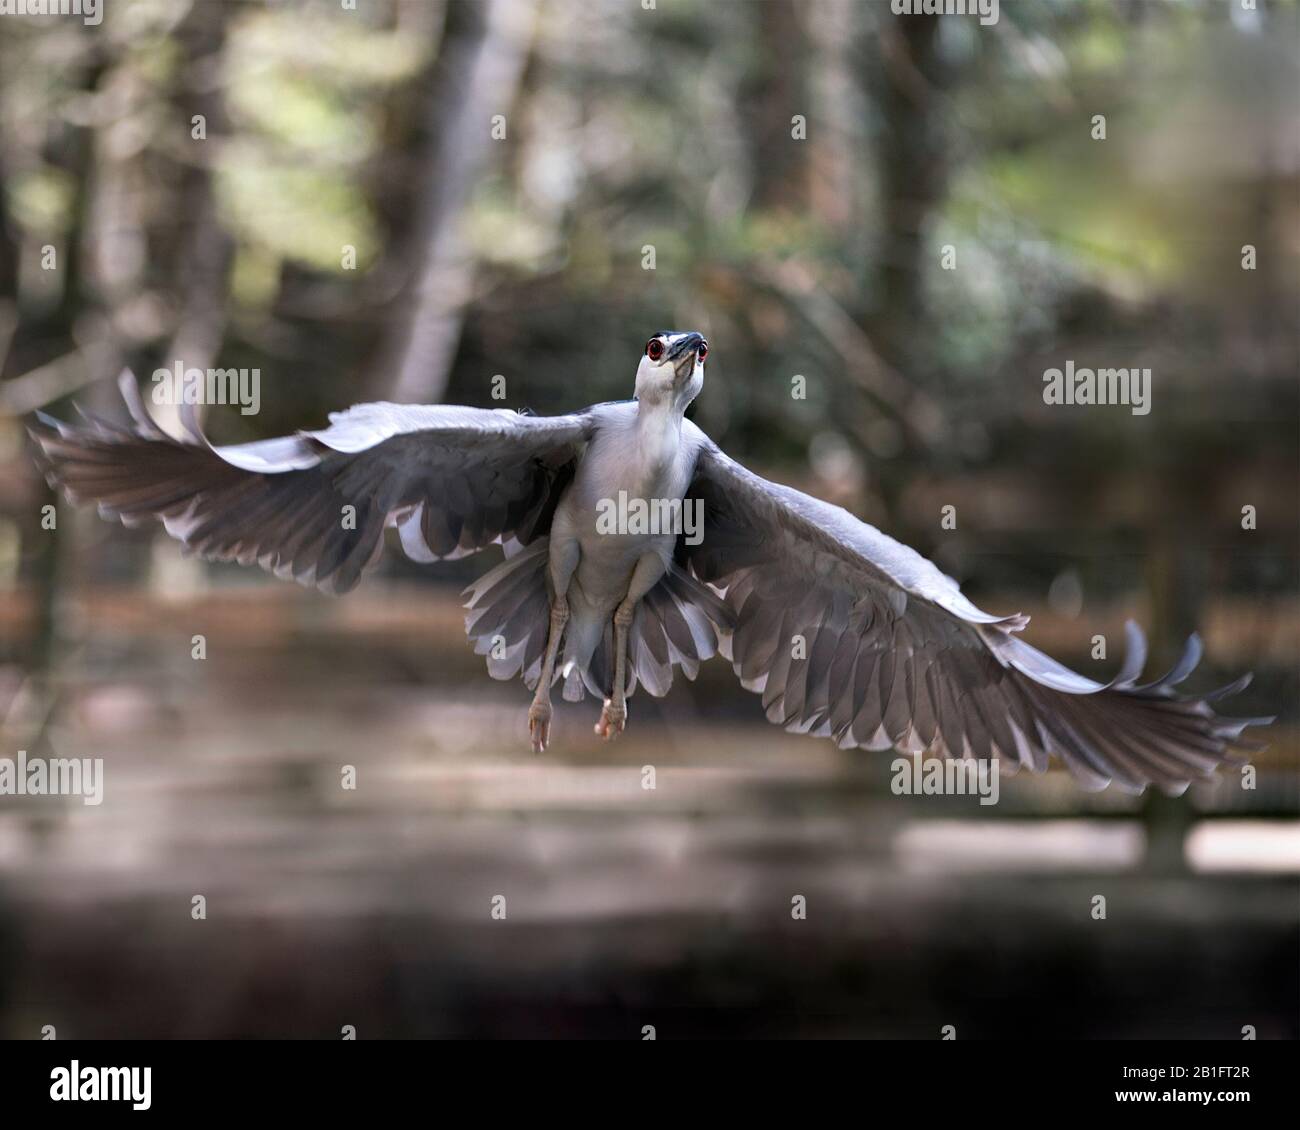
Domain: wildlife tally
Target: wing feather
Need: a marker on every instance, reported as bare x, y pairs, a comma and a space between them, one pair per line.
899, 658
314, 506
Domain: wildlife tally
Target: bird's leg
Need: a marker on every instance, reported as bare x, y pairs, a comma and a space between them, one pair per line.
613, 716
564, 556
645, 576
539, 714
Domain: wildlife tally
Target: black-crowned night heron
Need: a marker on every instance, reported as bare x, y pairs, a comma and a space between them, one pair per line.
844, 632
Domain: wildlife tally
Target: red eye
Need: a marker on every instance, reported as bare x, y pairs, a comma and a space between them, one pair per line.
703, 351
654, 349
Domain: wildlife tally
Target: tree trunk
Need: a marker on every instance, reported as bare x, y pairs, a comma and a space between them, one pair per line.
203, 254
775, 90
913, 171
8, 247
474, 78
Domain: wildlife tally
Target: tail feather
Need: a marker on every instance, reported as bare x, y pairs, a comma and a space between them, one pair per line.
679, 624
505, 607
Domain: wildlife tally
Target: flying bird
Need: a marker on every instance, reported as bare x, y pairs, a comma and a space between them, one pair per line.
845, 632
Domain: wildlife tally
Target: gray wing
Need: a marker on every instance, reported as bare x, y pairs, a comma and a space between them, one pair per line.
314, 506
892, 654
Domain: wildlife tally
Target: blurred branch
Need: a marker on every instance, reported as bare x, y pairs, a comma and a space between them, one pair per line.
919, 412
54, 380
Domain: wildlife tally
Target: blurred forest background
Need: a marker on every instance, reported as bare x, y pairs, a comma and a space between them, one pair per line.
406, 200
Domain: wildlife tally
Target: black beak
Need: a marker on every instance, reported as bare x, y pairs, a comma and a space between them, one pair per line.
687, 344
683, 351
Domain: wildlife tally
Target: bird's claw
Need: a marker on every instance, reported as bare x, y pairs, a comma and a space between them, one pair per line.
612, 721
539, 725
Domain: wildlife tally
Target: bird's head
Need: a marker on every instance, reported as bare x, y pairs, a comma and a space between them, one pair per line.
672, 368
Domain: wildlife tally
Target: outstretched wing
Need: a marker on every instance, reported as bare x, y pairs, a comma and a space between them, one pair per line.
314, 506
849, 634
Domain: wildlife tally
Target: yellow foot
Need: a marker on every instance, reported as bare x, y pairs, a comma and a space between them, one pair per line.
612, 721
539, 725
